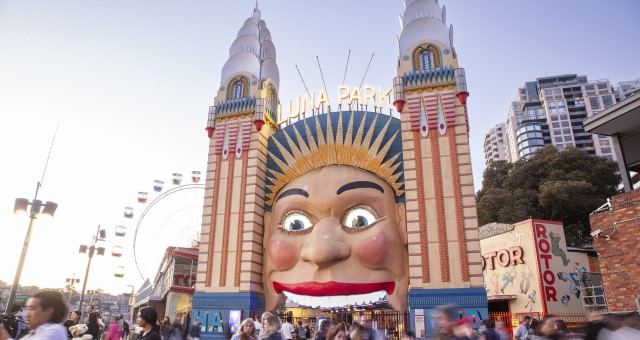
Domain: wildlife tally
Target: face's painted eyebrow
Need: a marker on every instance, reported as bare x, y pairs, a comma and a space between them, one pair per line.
359, 185
294, 191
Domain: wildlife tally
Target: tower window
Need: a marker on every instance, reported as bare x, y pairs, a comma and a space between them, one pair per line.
427, 61
238, 89
426, 57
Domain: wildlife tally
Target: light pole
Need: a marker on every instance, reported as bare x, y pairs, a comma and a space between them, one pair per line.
100, 235
71, 285
37, 208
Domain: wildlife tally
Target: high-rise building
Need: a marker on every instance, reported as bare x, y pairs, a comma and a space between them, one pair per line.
626, 89
494, 146
551, 111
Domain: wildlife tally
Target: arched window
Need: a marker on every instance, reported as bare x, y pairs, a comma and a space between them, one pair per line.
238, 90
426, 57
427, 60
272, 98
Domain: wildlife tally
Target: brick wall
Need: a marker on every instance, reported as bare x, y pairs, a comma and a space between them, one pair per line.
619, 256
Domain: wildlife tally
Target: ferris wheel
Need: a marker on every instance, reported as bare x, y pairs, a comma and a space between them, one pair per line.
165, 216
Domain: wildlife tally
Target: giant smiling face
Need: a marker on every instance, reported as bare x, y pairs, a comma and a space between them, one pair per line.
336, 237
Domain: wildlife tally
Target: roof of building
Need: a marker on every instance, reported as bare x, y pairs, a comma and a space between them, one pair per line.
493, 229
623, 121
423, 18
253, 51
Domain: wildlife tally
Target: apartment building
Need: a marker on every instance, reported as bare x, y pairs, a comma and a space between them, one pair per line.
494, 146
551, 110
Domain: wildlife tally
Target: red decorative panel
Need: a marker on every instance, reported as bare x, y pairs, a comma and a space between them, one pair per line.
426, 277
448, 101
227, 224
462, 242
442, 226
214, 214
243, 193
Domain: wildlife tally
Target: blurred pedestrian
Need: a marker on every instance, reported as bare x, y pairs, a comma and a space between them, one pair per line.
336, 332
257, 324
488, 333
165, 328
595, 323
194, 330
321, 334
93, 326
442, 321
46, 311
408, 335
522, 331
247, 331
263, 334
113, 331
176, 328
272, 328
147, 318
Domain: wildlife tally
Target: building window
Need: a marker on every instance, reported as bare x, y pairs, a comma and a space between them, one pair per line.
606, 150
567, 138
602, 85
237, 88
595, 104
426, 57
427, 61
272, 98
607, 101
590, 87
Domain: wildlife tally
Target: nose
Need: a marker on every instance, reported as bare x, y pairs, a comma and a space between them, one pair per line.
324, 246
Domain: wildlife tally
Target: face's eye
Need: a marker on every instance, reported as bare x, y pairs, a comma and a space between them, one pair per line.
296, 221
359, 217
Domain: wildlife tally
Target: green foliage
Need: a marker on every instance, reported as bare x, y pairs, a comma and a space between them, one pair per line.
553, 185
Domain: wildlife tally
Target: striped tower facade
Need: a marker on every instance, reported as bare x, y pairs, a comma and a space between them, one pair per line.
430, 94
229, 279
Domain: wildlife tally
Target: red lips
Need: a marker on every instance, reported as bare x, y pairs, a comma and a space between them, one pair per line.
333, 288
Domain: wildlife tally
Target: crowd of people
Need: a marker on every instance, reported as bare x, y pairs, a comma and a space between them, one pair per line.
47, 319
270, 327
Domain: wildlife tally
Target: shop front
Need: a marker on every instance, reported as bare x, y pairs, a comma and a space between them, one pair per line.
529, 270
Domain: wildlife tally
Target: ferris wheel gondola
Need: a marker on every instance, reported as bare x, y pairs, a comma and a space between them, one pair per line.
179, 232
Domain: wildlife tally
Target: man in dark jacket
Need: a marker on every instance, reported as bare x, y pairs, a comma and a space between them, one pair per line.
487, 330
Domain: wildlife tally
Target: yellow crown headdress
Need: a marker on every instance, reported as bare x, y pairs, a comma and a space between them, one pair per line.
364, 150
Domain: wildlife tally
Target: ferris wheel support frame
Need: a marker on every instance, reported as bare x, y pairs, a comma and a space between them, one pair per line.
144, 213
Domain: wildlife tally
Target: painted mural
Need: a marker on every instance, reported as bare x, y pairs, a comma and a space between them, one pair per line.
560, 269
509, 262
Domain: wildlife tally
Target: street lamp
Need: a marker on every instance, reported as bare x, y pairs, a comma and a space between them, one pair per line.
100, 235
71, 285
37, 208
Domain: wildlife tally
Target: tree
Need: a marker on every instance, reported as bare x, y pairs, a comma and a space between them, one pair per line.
554, 185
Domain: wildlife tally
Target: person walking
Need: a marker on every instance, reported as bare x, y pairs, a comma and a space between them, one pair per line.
194, 330
522, 331
74, 319
45, 312
488, 333
287, 330
257, 324
165, 328
147, 318
176, 328
113, 331
301, 332
93, 326
272, 328
246, 331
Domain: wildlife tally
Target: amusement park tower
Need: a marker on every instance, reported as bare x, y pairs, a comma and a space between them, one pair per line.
239, 124
431, 94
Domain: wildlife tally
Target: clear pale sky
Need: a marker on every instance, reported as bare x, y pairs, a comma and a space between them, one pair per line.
130, 83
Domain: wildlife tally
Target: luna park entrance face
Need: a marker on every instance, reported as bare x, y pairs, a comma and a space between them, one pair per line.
385, 321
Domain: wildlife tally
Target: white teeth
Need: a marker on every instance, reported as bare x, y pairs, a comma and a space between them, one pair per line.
335, 301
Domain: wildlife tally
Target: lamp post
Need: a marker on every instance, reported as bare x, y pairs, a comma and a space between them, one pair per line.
100, 235
37, 208
71, 285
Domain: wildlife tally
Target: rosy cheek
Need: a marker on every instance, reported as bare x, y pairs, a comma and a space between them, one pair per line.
284, 255
373, 251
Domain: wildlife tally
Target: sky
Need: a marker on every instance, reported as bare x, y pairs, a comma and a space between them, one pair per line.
130, 83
